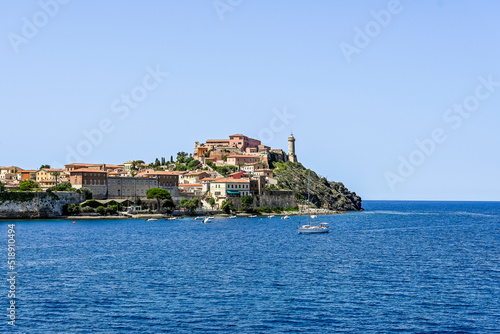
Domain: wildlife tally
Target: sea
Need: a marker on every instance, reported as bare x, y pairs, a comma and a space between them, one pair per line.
397, 267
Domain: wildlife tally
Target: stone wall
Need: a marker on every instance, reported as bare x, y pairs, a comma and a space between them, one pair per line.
281, 198
36, 204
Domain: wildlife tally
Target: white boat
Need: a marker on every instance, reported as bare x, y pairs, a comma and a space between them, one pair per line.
198, 218
314, 217
271, 216
151, 220
308, 228
207, 220
232, 217
252, 216
285, 217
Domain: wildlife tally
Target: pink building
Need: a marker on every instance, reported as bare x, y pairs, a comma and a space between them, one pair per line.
236, 159
244, 142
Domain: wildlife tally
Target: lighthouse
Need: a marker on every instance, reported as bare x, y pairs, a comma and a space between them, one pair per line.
291, 149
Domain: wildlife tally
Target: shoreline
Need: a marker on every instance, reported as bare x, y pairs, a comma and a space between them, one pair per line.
192, 217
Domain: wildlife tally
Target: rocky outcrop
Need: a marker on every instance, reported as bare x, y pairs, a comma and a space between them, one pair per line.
36, 204
324, 194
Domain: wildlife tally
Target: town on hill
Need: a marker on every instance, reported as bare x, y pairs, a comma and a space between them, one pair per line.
219, 174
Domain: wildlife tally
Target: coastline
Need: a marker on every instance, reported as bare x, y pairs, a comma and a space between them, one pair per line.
218, 214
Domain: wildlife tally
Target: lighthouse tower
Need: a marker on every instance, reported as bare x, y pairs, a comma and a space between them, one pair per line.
291, 149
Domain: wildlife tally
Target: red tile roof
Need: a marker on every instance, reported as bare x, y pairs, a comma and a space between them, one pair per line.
88, 170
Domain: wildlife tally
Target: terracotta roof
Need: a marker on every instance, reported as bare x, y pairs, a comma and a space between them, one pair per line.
28, 171
237, 135
229, 180
165, 173
81, 164
52, 170
88, 170
241, 156
189, 185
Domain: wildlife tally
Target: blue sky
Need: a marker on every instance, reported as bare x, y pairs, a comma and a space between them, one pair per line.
370, 89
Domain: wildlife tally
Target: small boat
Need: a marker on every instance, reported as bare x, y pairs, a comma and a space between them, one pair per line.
252, 216
314, 216
198, 218
232, 217
207, 220
308, 228
271, 216
285, 217
151, 220
171, 218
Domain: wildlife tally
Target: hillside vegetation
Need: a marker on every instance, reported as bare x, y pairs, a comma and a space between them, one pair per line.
324, 194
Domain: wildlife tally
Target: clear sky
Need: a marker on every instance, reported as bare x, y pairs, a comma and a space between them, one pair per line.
396, 99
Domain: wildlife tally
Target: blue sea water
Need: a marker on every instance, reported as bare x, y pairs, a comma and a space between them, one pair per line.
403, 267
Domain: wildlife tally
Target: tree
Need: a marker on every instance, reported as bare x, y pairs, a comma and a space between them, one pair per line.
73, 208
193, 164
56, 175
86, 192
160, 195
227, 206
101, 210
65, 186
181, 156
163, 161
247, 201
44, 166
157, 162
2, 187
28, 185
190, 205
211, 201
171, 158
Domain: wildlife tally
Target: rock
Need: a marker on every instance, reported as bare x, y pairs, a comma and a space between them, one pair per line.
324, 194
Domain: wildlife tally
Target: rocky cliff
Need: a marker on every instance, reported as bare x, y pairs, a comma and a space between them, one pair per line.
36, 204
324, 194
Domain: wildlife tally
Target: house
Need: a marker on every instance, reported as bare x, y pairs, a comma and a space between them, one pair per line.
8, 170
195, 188
244, 143
222, 187
237, 175
75, 166
250, 168
47, 174
266, 172
195, 177
28, 175
236, 159
46, 184
93, 179
257, 185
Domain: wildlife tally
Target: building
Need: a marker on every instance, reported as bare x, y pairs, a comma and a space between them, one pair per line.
291, 149
222, 188
130, 187
195, 177
236, 159
8, 170
28, 175
250, 168
265, 172
93, 179
257, 185
75, 166
244, 143
48, 174
166, 179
